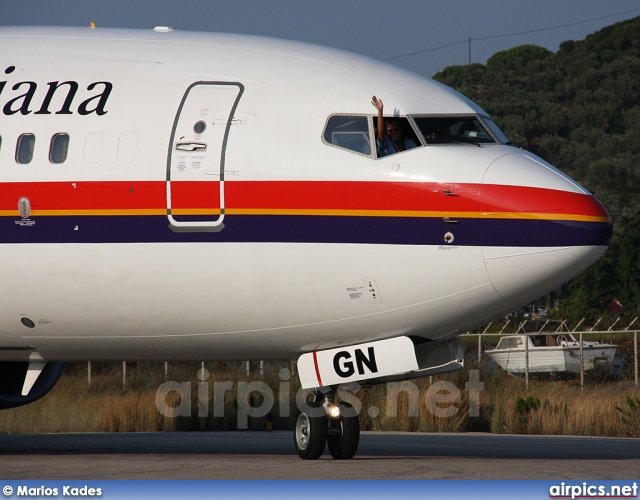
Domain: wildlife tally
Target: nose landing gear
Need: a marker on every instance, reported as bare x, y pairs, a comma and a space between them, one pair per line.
310, 432
323, 421
343, 435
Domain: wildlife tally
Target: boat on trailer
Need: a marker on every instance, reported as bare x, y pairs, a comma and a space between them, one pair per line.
557, 352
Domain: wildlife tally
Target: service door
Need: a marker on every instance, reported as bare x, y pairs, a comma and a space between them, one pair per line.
195, 170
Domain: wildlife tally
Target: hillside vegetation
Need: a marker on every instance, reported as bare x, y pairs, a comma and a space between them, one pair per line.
579, 109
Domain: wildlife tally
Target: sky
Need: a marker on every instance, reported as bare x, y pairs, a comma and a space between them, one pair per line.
381, 29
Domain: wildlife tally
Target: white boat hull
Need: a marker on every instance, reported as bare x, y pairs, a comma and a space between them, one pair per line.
554, 359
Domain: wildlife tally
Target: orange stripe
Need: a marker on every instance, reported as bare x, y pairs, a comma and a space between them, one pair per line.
313, 212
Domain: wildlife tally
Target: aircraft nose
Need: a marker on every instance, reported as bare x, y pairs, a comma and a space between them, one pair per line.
539, 228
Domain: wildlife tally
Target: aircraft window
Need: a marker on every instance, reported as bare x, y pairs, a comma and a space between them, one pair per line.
499, 134
59, 148
408, 134
453, 130
199, 127
127, 146
93, 147
24, 151
349, 132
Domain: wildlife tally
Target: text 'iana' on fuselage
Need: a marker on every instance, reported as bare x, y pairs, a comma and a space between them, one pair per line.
24, 103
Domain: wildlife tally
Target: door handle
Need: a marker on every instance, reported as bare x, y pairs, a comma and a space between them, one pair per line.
191, 146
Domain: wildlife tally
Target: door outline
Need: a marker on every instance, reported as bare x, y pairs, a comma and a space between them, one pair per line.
201, 226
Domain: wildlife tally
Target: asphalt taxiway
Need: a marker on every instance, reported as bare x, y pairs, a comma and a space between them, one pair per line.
271, 455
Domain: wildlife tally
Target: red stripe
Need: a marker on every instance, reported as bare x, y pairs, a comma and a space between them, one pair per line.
351, 195
85, 195
497, 198
301, 195
315, 363
186, 194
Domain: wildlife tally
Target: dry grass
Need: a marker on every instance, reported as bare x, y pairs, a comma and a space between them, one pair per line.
71, 407
561, 409
438, 405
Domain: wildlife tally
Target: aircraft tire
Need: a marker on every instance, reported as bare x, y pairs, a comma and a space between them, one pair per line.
344, 444
310, 433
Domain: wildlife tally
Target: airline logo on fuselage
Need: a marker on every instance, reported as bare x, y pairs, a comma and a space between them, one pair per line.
22, 101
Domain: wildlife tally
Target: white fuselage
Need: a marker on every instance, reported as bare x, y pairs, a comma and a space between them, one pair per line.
285, 244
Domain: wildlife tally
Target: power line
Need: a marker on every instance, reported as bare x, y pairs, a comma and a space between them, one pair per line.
559, 26
509, 34
426, 50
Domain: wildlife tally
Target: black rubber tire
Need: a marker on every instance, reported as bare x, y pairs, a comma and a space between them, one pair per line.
310, 433
344, 444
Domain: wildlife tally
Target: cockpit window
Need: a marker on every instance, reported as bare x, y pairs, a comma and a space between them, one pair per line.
402, 140
349, 132
453, 130
499, 134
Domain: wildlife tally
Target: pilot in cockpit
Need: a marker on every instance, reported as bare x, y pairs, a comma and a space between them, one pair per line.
391, 138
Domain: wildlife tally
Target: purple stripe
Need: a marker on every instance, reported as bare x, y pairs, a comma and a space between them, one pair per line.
310, 229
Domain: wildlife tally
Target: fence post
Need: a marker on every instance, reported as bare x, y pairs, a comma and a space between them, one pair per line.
124, 374
526, 360
544, 325
505, 325
581, 364
480, 342
629, 325
635, 355
89, 373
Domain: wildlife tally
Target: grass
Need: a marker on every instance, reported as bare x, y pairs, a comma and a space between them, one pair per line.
440, 404
561, 409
